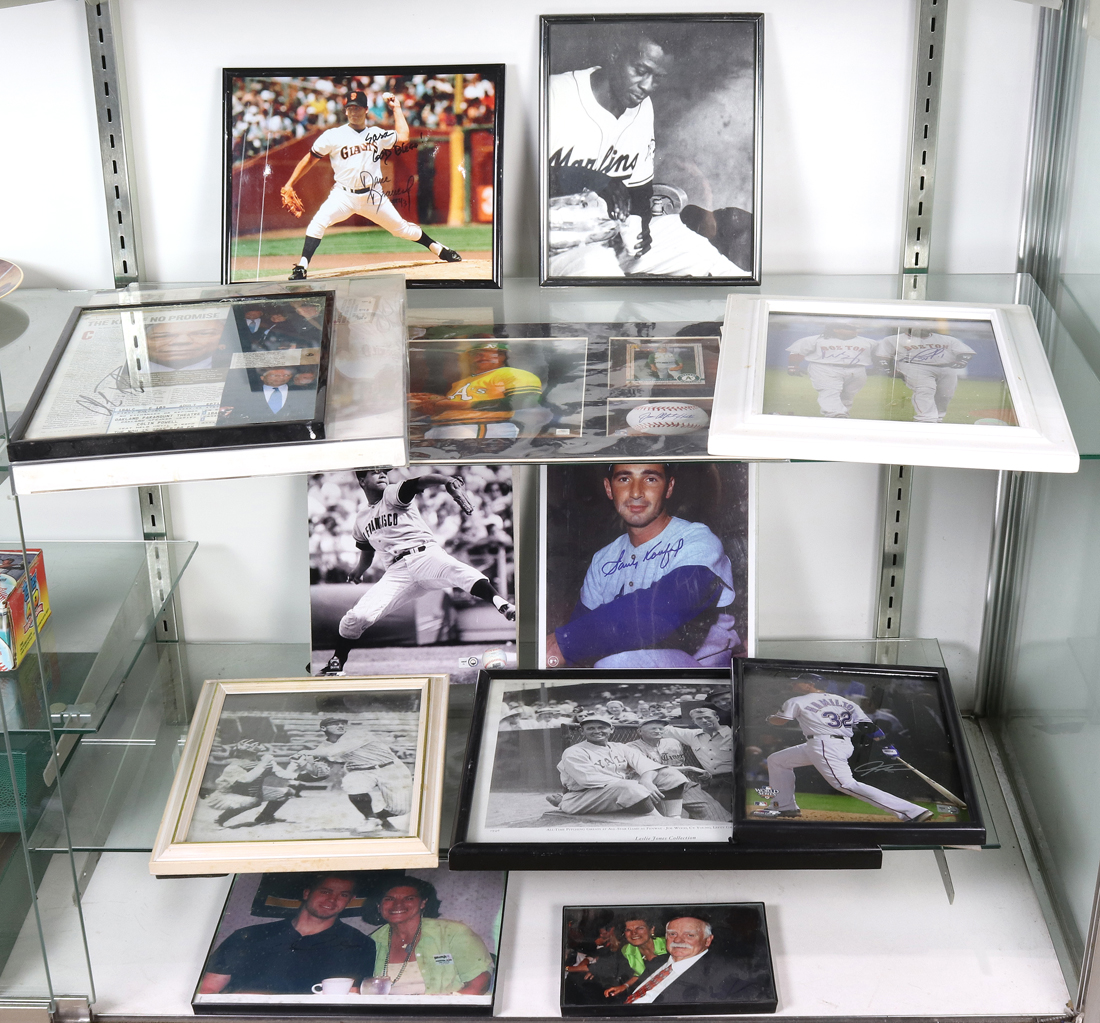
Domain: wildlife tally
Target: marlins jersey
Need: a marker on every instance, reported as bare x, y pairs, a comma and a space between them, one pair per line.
489, 394
621, 568
834, 351
934, 350
391, 526
820, 714
583, 133
356, 156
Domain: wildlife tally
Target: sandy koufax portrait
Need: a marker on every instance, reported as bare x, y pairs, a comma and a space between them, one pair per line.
645, 565
565, 760
871, 367
311, 765
650, 146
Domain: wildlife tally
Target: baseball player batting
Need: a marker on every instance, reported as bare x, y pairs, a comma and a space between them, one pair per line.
930, 364
391, 525
836, 362
827, 721
355, 151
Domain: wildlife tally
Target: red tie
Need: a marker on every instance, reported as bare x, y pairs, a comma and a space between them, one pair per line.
650, 984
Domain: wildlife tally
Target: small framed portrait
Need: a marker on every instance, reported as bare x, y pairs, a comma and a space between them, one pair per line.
352, 171
650, 148
173, 376
664, 364
924, 383
398, 942
291, 774
835, 752
685, 960
412, 567
622, 543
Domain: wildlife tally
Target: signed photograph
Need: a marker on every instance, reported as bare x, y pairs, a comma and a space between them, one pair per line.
617, 757
162, 376
863, 752
645, 565
393, 941
341, 172
666, 960
411, 569
650, 148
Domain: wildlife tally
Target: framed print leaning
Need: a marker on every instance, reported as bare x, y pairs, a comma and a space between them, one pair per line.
368, 941
347, 171
835, 752
173, 376
302, 774
896, 382
650, 148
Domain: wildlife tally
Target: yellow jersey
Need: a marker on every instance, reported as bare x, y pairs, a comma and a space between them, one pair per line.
490, 395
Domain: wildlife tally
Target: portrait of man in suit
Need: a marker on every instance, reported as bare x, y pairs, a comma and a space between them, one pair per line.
271, 394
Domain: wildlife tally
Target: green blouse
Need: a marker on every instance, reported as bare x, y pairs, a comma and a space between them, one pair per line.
448, 953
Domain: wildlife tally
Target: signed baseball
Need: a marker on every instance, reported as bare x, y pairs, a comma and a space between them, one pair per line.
667, 418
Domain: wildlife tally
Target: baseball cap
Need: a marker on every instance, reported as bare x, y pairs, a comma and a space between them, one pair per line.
357, 99
325, 722
653, 721
489, 346
589, 718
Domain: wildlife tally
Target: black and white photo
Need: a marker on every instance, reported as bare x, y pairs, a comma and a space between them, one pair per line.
651, 148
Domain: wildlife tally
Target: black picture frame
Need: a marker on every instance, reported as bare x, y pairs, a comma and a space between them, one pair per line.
469, 853
936, 734
483, 178
739, 955
721, 66
106, 394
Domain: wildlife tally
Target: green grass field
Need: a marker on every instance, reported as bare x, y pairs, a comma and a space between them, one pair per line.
471, 238
884, 397
836, 803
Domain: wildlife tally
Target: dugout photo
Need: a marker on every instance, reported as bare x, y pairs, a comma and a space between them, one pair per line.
429, 621
666, 960
258, 959
836, 752
650, 148
313, 193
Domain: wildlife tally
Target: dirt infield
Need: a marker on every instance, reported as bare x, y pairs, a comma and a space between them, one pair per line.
474, 266
809, 816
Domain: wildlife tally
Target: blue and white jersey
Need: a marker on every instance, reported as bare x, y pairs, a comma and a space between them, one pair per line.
621, 568
834, 351
820, 714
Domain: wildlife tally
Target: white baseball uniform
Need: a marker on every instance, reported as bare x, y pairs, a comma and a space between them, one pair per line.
837, 368
926, 365
827, 721
356, 159
584, 133
414, 561
370, 767
603, 779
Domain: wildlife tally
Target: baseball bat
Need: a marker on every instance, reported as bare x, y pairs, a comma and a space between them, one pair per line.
946, 793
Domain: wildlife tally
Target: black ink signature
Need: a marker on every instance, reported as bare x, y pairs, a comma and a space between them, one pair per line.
109, 394
397, 149
403, 193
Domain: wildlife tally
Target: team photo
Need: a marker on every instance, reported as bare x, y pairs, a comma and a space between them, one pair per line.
342, 172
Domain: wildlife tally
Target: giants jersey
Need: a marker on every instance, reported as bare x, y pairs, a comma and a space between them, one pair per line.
489, 395
390, 526
822, 714
834, 351
585, 134
356, 156
934, 350
621, 568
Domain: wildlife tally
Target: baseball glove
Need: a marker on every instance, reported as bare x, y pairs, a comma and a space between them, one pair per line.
457, 489
291, 202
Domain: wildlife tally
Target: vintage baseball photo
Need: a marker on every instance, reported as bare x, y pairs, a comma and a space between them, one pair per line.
822, 748
650, 155
391, 941
666, 960
341, 172
900, 369
645, 565
411, 569
668, 363
615, 758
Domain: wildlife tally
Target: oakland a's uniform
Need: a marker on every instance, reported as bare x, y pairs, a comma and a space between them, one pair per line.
490, 397
414, 561
930, 366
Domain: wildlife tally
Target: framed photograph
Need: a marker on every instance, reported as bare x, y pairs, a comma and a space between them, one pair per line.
157, 376
412, 569
622, 543
661, 364
917, 383
697, 960
346, 171
398, 942
650, 148
834, 752
307, 774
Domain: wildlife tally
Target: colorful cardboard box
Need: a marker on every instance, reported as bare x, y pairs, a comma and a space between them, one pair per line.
22, 587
